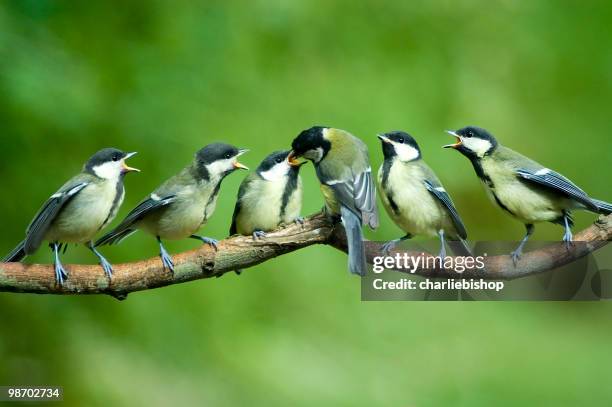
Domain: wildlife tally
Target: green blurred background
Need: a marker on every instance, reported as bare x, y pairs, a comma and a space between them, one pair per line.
166, 78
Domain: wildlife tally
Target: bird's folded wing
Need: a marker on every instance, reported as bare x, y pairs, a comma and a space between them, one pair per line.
440, 193
244, 186
358, 195
555, 181
147, 206
125, 229
233, 228
39, 226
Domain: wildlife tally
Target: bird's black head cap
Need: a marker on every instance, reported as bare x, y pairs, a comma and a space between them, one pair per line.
273, 159
103, 156
311, 139
217, 152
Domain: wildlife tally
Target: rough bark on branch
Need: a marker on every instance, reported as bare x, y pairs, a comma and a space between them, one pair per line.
240, 252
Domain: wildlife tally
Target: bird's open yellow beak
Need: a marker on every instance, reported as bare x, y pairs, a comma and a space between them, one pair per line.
127, 168
458, 137
293, 161
237, 164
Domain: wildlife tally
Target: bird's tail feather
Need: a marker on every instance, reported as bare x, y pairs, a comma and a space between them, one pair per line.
604, 207
114, 237
17, 254
461, 247
354, 239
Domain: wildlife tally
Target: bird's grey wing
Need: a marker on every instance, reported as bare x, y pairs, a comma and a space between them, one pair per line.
365, 198
358, 195
441, 195
557, 182
147, 206
35, 233
241, 192
125, 228
233, 228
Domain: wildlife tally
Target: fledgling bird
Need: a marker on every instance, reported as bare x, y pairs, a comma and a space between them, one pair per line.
413, 195
268, 197
78, 210
343, 167
522, 187
181, 206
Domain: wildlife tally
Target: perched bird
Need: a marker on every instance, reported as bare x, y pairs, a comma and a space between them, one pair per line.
181, 205
414, 197
268, 197
78, 210
343, 168
525, 189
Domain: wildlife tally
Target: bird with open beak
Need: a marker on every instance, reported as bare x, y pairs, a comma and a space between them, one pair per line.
523, 188
269, 197
78, 210
183, 204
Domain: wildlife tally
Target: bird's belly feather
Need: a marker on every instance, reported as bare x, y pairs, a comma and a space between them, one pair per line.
418, 212
528, 204
84, 215
260, 208
180, 220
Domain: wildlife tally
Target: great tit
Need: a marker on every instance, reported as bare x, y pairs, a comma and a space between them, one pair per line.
78, 210
181, 205
414, 197
523, 188
343, 168
268, 197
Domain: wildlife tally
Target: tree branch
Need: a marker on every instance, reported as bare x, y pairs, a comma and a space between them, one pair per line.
240, 252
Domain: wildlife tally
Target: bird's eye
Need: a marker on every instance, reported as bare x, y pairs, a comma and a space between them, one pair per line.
400, 140
116, 157
228, 156
469, 134
278, 160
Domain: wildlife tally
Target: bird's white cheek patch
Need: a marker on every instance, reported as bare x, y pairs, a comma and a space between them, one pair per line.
276, 172
220, 166
477, 145
109, 170
406, 152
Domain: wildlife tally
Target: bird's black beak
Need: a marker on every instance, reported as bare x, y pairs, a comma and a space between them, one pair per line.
457, 144
126, 168
237, 164
384, 139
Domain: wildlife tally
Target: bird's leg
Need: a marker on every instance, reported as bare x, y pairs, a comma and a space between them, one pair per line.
568, 237
299, 220
390, 245
165, 257
60, 272
259, 234
207, 240
106, 266
516, 255
442, 254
